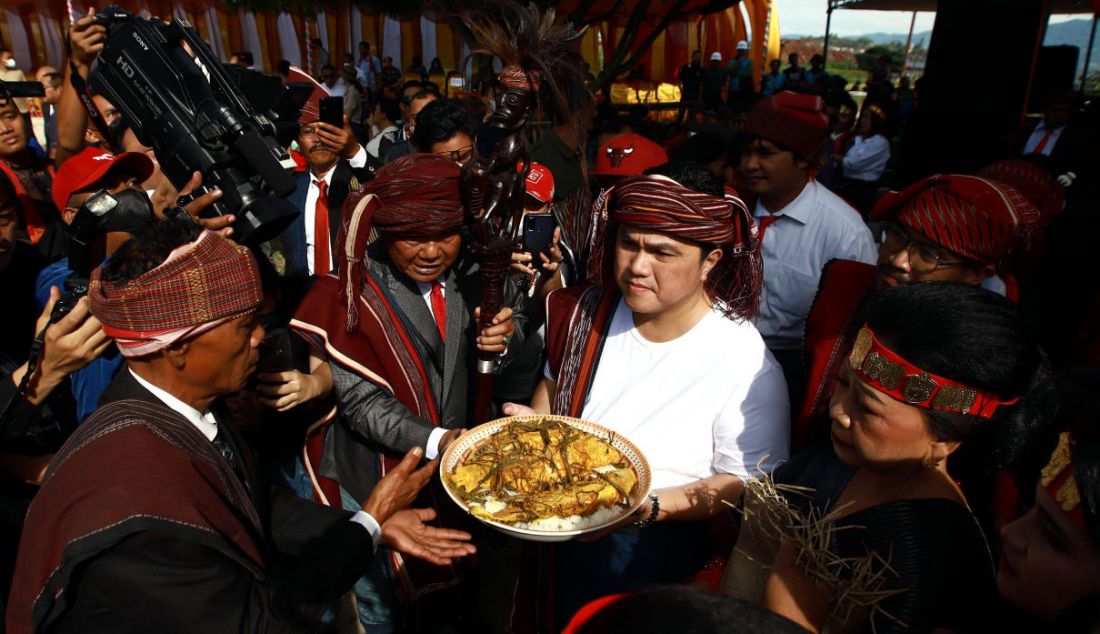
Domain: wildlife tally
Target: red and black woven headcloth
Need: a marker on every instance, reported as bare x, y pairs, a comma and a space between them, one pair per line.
658, 203
415, 196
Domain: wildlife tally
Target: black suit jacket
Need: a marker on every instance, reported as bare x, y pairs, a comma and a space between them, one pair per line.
294, 238
153, 581
371, 419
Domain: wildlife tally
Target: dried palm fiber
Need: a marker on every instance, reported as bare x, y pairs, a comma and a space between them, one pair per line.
858, 584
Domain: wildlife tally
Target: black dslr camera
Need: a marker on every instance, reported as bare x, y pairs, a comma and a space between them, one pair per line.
179, 100
82, 233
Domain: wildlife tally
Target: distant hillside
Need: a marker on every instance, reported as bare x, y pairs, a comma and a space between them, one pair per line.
1070, 33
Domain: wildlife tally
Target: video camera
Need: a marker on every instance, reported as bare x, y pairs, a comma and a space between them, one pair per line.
179, 100
20, 89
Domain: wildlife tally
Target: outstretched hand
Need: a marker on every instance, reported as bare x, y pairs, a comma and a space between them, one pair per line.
407, 532
399, 487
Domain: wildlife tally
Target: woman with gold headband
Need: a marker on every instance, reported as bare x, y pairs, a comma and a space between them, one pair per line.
870, 532
1050, 557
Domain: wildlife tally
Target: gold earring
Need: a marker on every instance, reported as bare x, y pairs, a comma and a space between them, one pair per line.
927, 463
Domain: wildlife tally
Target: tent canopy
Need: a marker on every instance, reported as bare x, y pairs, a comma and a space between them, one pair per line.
1056, 6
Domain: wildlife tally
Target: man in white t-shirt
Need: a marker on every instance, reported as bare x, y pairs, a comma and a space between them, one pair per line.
802, 224
664, 351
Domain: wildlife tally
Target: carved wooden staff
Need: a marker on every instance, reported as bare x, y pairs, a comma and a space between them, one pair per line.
492, 197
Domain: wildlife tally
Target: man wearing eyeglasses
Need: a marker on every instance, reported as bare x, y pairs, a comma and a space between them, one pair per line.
947, 227
443, 128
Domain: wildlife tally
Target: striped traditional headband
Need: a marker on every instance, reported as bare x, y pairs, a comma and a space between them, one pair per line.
889, 373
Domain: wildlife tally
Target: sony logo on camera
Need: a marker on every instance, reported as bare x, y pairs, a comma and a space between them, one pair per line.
141, 42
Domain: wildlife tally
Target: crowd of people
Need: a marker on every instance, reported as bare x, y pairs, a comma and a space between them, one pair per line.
866, 405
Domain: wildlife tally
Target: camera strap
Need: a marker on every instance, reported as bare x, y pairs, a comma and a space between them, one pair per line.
32, 359
81, 87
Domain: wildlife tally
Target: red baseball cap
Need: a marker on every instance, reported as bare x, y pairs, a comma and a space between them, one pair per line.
540, 183
628, 155
92, 165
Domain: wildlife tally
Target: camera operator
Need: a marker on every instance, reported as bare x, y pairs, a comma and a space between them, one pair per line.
82, 176
85, 175
35, 421
29, 175
335, 167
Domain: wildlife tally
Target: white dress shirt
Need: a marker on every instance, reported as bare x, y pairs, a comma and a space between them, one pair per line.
208, 426
309, 213
431, 449
338, 89
1037, 135
814, 228
368, 68
866, 159
376, 142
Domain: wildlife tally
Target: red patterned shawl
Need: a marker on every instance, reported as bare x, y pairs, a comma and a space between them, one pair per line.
133, 466
577, 320
380, 349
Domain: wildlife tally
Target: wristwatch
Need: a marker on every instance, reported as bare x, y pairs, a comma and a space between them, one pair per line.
654, 510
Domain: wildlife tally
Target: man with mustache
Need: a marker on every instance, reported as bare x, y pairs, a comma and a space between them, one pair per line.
334, 167
947, 227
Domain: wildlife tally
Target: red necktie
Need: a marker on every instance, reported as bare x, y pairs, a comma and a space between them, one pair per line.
1042, 142
439, 310
762, 226
320, 231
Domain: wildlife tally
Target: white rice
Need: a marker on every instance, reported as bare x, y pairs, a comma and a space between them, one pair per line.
555, 524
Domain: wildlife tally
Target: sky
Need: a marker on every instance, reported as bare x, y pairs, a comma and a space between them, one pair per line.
807, 17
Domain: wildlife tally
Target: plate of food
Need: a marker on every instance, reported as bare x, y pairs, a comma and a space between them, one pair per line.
545, 478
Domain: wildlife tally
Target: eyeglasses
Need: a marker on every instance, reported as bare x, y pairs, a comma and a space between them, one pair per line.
923, 257
461, 155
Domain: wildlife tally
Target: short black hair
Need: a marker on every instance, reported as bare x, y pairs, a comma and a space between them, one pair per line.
148, 248
977, 338
423, 93
283, 67
316, 41
702, 148
691, 175
390, 108
328, 67
663, 609
54, 80
439, 121
245, 56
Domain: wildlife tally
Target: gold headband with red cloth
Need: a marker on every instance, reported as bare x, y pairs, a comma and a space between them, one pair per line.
1058, 479
889, 373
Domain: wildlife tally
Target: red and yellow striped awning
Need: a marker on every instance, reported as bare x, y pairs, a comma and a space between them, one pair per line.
34, 29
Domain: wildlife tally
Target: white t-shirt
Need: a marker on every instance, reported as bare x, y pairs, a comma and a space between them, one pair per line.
711, 401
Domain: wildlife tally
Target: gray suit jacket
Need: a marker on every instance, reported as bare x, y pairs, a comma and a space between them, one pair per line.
370, 419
